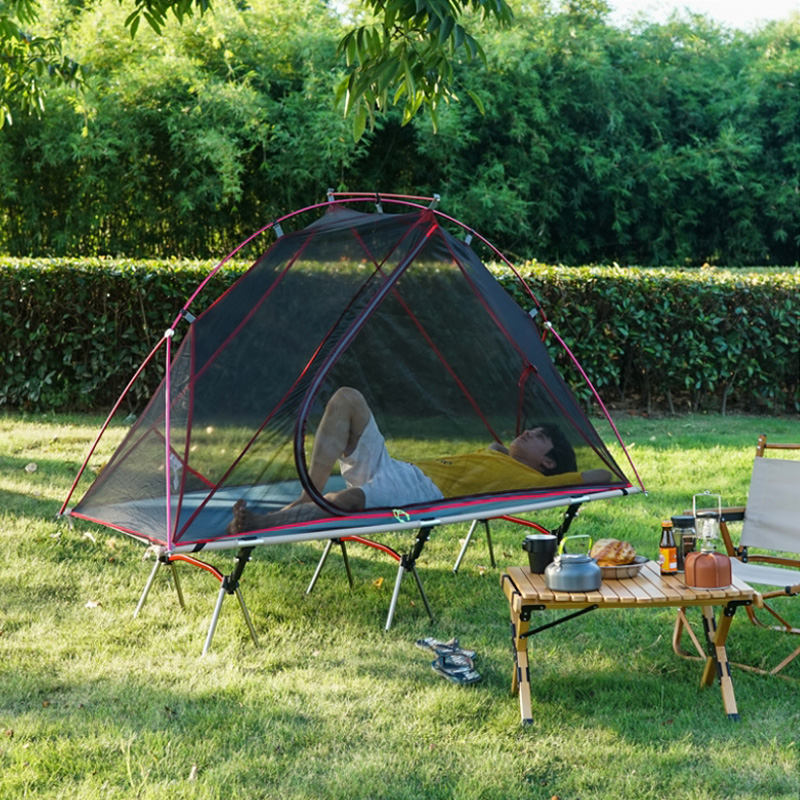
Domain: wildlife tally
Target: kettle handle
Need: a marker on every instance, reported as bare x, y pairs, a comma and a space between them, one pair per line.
576, 536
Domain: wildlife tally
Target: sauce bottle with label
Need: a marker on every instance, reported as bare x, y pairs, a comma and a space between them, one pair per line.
667, 552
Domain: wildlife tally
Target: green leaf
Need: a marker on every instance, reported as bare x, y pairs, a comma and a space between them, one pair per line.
154, 22
359, 122
411, 86
477, 100
446, 29
134, 20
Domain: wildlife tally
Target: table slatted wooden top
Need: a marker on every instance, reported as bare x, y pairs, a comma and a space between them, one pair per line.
648, 588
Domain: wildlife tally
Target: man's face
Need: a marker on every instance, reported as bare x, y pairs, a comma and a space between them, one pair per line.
531, 448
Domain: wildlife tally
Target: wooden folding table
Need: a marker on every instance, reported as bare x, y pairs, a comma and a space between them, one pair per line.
527, 592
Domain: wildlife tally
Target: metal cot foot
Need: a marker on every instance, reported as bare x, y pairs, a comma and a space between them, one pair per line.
147, 587
468, 539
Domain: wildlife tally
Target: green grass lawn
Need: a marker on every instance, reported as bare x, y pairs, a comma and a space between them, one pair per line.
95, 704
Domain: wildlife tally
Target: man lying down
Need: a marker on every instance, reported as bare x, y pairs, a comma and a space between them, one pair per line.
348, 433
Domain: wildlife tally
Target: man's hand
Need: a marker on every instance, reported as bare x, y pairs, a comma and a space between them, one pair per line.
597, 476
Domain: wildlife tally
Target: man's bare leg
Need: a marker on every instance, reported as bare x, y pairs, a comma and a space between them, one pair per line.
343, 421
346, 415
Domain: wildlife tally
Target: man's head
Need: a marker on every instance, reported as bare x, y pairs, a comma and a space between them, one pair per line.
545, 449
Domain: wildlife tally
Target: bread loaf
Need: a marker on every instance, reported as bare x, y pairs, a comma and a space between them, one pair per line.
612, 552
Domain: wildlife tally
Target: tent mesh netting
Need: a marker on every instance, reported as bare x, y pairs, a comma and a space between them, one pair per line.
392, 305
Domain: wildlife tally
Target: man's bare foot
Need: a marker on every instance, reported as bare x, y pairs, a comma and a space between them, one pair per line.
244, 520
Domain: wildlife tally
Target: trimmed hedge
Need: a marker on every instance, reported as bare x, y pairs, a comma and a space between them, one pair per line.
678, 340
74, 331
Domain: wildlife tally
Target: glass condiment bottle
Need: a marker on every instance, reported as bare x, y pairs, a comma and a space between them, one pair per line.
667, 552
685, 538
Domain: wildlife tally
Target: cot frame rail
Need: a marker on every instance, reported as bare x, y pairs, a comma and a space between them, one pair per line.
407, 562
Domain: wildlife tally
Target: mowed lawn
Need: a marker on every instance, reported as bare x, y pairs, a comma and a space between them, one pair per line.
97, 704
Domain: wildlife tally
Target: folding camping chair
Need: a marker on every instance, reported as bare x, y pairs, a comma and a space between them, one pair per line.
770, 533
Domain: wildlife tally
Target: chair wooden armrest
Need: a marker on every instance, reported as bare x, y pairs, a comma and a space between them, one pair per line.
729, 514
788, 591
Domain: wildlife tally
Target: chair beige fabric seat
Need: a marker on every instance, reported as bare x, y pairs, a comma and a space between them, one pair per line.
763, 575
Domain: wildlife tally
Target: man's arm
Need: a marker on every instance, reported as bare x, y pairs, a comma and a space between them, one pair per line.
597, 476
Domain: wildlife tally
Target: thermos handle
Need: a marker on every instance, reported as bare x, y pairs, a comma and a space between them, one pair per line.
576, 536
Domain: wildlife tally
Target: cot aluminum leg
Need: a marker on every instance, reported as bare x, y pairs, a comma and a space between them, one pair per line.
148, 586
464, 546
214, 619
230, 585
246, 615
393, 605
401, 570
489, 543
320, 565
409, 562
422, 593
467, 540
324, 558
176, 580
346, 562
151, 581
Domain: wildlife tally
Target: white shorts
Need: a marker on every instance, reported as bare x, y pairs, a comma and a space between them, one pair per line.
385, 481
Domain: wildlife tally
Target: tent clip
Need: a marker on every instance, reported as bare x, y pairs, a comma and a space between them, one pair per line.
435, 201
278, 230
533, 313
188, 316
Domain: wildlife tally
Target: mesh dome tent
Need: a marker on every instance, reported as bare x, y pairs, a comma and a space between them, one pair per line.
394, 305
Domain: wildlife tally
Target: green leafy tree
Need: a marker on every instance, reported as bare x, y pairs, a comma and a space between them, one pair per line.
664, 144
178, 144
406, 55
403, 54
661, 144
28, 61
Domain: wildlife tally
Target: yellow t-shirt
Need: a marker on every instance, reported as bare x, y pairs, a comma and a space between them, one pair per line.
488, 471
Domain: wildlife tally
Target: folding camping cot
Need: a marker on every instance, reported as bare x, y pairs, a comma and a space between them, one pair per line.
397, 305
